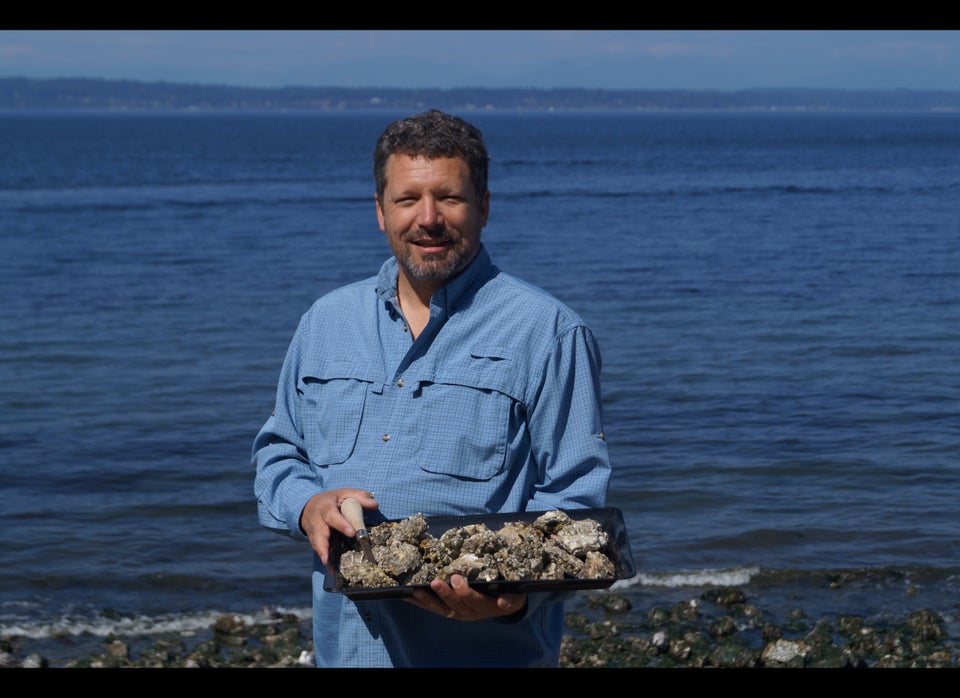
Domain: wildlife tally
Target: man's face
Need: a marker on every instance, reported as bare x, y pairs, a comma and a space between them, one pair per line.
432, 217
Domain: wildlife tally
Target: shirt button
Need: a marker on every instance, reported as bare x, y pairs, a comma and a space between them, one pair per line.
385, 437
400, 383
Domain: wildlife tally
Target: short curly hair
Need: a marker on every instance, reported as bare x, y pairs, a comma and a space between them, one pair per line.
432, 134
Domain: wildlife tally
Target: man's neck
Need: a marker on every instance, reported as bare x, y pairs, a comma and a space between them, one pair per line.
414, 302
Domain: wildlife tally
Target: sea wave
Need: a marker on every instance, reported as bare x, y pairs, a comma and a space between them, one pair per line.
697, 578
140, 625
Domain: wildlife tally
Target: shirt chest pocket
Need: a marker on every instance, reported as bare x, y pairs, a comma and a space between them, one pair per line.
474, 408
331, 402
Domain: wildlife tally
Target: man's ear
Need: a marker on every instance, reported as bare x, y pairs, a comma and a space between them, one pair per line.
376, 200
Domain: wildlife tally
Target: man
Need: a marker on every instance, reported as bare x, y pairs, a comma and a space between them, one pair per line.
446, 387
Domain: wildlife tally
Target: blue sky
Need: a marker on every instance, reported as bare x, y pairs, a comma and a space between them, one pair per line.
603, 59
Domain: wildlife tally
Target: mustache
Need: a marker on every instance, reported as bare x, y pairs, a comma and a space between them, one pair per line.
428, 235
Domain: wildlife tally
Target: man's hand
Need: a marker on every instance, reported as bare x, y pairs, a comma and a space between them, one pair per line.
322, 514
457, 600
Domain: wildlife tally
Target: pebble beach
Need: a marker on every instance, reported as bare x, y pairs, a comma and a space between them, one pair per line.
718, 627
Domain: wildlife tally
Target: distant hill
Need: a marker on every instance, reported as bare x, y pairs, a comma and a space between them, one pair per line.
93, 94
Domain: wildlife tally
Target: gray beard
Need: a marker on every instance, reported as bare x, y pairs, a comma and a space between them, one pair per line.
440, 269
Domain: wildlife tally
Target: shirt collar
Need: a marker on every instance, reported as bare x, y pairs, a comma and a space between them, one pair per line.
464, 283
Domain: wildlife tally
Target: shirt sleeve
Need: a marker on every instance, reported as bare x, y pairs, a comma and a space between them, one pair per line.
285, 480
566, 426
567, 440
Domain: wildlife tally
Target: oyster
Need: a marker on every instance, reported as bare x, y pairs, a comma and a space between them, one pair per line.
357, 572
552, 521
560, 563
481, 541
554, 546
399, 559
522, 554
582, 537
410, 530
476, 568
597, 566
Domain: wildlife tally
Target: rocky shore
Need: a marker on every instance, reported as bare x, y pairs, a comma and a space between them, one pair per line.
720, 627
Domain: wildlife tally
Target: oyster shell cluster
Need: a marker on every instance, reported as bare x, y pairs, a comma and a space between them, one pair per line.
554, 546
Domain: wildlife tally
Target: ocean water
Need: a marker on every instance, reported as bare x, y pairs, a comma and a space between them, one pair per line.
776, 296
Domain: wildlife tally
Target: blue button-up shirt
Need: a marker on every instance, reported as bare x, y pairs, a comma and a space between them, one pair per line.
495, 407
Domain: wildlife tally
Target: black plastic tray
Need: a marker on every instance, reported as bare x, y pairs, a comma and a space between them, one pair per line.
609, 518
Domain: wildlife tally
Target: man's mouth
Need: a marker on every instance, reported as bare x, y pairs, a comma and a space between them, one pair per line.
431, 244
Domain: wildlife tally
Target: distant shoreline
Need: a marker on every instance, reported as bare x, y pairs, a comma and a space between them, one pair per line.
85, 94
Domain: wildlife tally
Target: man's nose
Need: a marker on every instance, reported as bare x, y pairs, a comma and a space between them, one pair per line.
429, 215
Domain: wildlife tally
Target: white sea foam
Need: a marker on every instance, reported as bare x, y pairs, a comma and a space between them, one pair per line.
711, 577
139, 625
